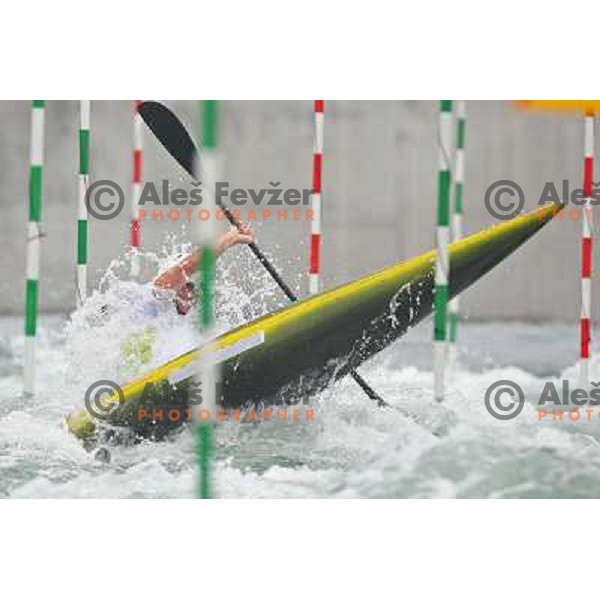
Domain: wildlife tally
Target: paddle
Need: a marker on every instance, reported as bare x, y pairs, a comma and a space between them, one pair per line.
171, 133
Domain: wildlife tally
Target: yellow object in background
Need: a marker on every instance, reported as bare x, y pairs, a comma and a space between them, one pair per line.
587, 107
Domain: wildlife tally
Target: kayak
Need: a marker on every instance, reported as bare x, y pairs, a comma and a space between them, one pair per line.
299, 350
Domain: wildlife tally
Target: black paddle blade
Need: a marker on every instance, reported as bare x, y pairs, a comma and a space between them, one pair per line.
170, 133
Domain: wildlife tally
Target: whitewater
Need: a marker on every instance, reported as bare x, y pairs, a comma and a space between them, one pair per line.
417, 448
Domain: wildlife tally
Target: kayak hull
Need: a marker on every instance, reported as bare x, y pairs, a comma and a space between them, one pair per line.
304, 347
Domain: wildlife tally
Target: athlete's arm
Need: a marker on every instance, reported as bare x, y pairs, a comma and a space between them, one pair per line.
176, 277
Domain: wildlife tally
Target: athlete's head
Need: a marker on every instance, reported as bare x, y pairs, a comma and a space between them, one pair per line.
186, 298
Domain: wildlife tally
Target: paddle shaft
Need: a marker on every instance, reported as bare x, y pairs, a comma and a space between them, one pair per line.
264, 261
285, 288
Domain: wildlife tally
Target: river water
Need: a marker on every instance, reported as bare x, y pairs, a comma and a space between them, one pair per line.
415, 449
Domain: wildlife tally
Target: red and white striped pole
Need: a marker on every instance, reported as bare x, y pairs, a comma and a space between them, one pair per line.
136, 190
315, 238
586, 248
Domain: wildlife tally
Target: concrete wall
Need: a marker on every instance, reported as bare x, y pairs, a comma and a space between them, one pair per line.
379, 192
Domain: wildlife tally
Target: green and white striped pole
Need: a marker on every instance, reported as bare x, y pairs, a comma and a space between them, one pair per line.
459, 178
34, 233
84, 182
207, 236
442, 238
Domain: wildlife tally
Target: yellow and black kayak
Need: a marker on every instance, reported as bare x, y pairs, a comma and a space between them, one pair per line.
302, 348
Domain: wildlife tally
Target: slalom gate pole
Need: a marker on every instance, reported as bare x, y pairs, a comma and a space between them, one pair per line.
442, 238
135, 237
34, 233
83, 184
457, 208
586, 248
314, 276
316, 229
207, 237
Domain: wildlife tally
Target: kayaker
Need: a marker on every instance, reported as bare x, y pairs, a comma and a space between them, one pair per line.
147, 304
178, 278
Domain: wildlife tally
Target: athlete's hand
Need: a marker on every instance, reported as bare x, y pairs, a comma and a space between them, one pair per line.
242, 235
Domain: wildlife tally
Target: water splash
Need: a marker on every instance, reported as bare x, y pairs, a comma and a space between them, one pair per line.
353, 449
